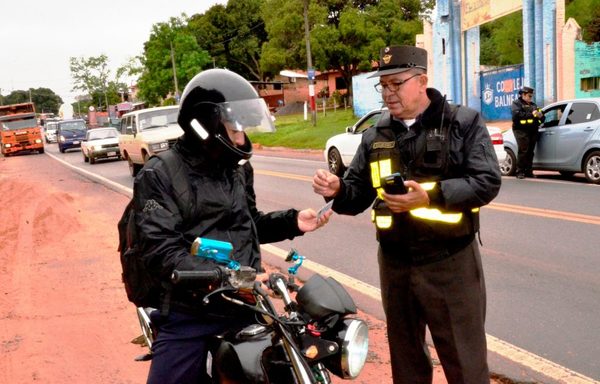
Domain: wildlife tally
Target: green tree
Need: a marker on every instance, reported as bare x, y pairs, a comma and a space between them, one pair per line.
501, 41
233, 36
156, 81
45, 99
587, 14
284, 24
92, 76
344, 36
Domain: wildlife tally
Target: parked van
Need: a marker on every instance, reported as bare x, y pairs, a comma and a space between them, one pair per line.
70, 134
146, 132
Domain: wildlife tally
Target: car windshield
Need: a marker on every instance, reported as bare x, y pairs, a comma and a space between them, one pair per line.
73, 126
156, 119
19, 124
99, 134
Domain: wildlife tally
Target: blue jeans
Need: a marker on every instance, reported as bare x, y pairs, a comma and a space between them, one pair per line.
180, 350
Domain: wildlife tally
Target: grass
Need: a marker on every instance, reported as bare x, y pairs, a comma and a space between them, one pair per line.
293, 132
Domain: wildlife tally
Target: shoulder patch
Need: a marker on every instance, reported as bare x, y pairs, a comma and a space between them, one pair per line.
384, 145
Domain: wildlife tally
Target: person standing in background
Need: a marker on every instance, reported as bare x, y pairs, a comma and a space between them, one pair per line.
526, 119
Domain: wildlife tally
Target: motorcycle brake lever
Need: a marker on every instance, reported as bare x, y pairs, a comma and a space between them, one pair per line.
291, 284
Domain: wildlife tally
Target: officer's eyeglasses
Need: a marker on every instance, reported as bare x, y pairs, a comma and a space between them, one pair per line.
394, 86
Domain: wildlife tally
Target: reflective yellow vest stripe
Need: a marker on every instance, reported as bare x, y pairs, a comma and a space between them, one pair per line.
528, 121
383, 168
434, 214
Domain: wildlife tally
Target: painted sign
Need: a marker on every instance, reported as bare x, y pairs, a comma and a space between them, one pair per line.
499, 88
477, 12
364, 96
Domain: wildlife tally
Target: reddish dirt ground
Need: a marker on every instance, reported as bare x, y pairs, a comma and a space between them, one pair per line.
64, 316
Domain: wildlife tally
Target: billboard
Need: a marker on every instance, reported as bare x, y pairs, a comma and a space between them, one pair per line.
364, 96
477, 12
499, 88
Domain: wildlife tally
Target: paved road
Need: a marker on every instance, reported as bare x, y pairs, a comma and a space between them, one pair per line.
540, 250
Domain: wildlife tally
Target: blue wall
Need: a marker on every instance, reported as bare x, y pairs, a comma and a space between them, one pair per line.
587, 64
499, 88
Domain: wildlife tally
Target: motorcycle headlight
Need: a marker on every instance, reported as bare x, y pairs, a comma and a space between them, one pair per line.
353, 339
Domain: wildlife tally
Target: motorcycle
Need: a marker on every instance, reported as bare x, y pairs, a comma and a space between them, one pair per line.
313, 337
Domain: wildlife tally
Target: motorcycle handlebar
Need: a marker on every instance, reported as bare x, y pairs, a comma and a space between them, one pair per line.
197, 277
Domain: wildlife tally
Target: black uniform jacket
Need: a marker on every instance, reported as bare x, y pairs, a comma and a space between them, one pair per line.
471, 179
222, 206
523, 111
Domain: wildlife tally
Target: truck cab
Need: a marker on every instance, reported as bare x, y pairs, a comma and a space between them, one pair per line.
19, 129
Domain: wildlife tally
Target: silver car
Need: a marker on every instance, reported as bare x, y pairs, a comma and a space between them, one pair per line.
569, 140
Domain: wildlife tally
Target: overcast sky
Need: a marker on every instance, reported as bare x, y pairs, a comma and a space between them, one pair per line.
37, 37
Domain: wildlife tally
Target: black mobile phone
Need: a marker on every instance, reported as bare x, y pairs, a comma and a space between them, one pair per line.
394, 184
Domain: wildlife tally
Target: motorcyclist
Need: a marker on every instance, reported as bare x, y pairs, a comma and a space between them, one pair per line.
217, 108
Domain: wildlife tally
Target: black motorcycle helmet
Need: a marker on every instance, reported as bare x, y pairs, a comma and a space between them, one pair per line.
216, 100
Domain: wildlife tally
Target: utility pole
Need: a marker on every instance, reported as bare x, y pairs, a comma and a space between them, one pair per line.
311, 71
174, 73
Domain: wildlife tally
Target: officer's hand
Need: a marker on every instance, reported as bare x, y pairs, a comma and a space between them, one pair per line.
416, 197
326, 183
307, 219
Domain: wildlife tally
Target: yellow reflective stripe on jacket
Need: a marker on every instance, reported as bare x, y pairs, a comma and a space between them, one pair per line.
380, 169
434, 214
528, 121
383, 222
375, 174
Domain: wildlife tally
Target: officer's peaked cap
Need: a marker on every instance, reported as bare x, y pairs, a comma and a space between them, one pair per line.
400, 58
525, 90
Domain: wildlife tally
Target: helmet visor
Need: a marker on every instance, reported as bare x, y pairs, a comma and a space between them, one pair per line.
251, 115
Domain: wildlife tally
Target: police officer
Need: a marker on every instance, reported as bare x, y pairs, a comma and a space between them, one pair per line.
526, 119
429, 261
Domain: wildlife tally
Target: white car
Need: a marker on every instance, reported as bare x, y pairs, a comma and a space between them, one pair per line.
50, 131
340, 149
146, 132
100, 143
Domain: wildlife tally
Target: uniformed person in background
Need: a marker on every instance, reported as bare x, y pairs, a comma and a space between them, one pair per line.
526, 119
429, 261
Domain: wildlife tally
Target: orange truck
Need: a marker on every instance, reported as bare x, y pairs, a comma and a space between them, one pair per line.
19, 129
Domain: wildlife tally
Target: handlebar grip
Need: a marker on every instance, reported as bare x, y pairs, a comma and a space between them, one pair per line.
197, 277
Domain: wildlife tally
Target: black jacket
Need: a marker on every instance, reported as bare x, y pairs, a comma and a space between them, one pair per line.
522, 115
222, 207
471, 179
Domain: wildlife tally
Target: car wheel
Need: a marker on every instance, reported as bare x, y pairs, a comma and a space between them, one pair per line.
133, 167
41, 151
591, 167
85, 158
334, 162
508, 166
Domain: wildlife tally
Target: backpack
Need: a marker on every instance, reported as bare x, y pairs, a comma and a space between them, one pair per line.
143, 289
